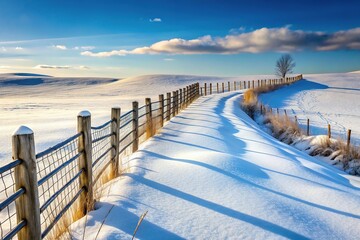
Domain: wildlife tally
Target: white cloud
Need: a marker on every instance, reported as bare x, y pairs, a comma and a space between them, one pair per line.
45, 66
169, 59
260, 40
85, 48
19, 48
155, 20
61, 47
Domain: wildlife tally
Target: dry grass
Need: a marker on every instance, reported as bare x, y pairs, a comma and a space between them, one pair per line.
282, 127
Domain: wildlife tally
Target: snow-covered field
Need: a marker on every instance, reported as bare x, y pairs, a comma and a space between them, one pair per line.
323, 98
212, 173
50, 105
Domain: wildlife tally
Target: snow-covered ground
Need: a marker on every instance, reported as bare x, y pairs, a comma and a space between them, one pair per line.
212, 173
49, 105
323, 98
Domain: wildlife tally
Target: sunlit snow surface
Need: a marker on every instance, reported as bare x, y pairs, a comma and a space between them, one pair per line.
212, 173
323, 98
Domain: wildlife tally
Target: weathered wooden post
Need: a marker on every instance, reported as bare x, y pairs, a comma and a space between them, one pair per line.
223, 87
258, 83
234, 85
85, 159
181, 99
308, 127
115, 141
135, 128
149, 125
176, 102
244, 84
217, 87
240, 85
253, 84
161, 109
210, 88
229, 88
168, 106
187, 95
348, 139
173, 112
27, 205
205, 90
248, 84
329, 130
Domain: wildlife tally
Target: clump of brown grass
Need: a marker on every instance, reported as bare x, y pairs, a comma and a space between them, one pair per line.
282, 127
249, 103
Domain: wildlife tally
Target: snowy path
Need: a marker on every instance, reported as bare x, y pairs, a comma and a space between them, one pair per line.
213, 174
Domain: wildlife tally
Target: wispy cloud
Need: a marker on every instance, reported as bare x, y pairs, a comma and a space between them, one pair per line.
19, 48
155, 20
61, 47
257, 41
84, 48
169, 59
44, 66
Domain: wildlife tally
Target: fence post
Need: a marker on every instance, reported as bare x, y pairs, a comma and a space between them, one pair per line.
27, 205
135, 123
149, 127
168, 106
161, 109
234, 85
85, 159
248, 84
115, 140
177, 102
348, 139
223, 87
217, 87
329, 130
205, 90
210, 88
259, 83
308, 127
253, 84
173, 104
181, 99
229, 87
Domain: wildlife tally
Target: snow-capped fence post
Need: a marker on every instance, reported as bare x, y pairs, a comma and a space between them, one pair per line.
168, 106
329, 131
85, 159
115, 140
27, 205
161, 108
135, 129
149, 127
205, 90
210, 88
348, 139
308, 127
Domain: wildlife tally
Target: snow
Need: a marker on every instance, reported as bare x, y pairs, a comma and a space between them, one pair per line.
23, 130
323, 98
84, 113
212, 173
49, 105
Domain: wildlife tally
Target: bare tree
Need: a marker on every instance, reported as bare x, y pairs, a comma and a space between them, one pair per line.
284, 65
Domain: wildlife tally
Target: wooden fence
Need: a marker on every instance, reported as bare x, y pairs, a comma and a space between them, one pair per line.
38, 190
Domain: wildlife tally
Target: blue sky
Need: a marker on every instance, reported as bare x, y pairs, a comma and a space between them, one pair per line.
134, 37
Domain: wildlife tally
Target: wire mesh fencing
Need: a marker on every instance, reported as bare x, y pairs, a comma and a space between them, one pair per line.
58, 173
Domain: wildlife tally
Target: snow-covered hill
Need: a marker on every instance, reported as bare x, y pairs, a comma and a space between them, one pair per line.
50, 105
323, 98
212, 173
